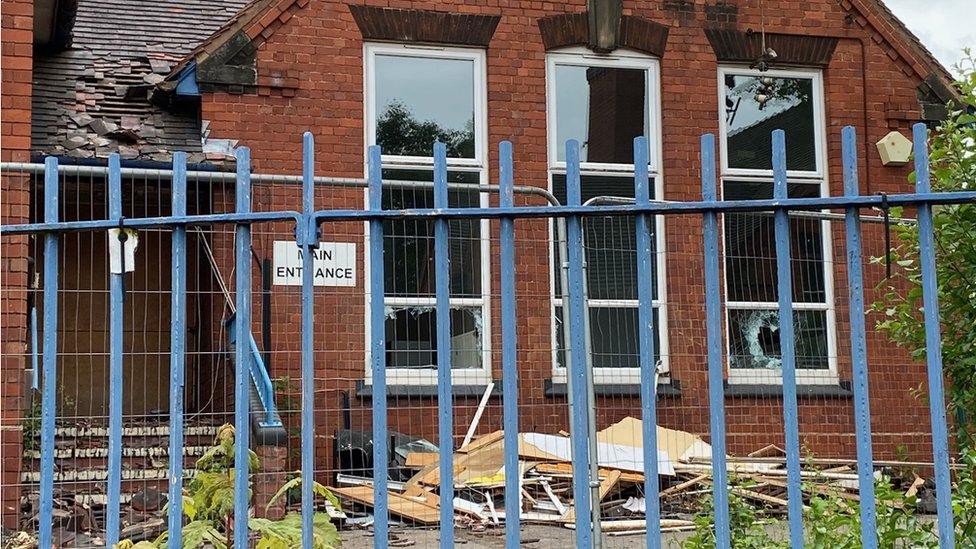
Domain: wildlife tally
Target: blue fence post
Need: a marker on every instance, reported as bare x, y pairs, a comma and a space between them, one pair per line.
242, 255
307, 233
177, 353
577, 334
787, 343
648, 367
859, 360
116, 341
933, 341
377, 349
50, 353
713, 330
509, 349
445, 401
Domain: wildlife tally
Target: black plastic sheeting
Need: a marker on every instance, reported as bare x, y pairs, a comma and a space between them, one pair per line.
354, 453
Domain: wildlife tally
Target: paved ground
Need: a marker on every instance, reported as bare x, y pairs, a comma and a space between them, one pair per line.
533, 536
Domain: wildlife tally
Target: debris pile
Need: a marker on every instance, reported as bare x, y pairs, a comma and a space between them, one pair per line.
546, 494
545, 468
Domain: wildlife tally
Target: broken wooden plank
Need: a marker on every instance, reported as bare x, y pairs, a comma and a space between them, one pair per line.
540, 518
636, 524
758, 496
399, 505
811, 487
913, 489
606, 484
552, 497
482, 441
566, 470
770, 450
644, 531
757, 468
677, 488
477, 414
419, 460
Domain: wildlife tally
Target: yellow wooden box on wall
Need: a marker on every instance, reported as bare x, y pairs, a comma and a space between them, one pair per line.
895, 149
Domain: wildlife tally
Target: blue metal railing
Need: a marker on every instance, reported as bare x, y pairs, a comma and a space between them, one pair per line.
307, 223
258, 373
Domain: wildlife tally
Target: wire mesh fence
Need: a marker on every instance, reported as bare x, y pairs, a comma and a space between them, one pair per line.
342, 344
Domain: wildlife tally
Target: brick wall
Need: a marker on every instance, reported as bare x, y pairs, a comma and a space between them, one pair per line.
323, 45
17, 24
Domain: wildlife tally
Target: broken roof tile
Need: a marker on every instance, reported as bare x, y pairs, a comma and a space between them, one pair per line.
118, 51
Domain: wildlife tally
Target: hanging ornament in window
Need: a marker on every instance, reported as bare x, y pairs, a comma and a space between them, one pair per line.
764, 91
766, 83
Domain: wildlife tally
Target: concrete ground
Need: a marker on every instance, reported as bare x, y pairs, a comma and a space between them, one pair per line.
533, 536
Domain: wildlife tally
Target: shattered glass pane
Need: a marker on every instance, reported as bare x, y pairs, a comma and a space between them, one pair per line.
614, 338
409, 243
755, 106
610, 242
750, 248
411, 337
754, 339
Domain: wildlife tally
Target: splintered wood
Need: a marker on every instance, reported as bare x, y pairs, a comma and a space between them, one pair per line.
546, 480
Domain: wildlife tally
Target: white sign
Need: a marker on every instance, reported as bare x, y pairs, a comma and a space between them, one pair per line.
335, 264
115, 247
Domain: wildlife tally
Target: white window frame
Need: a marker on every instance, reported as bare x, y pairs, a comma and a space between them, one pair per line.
763, 376
820, 142
478, 164
623, 59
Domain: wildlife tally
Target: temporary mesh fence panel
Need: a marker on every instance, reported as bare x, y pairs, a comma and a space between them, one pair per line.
592, 356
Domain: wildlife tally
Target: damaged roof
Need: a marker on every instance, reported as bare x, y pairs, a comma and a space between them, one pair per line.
93, 98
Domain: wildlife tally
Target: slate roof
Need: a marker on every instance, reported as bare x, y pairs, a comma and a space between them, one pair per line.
93, 98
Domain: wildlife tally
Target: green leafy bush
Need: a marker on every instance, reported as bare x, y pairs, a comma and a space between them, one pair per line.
208, 503
953, 167
748, 528
832, 522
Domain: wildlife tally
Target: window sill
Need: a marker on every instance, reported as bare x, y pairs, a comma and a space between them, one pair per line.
841, 389
365, 390
560, 389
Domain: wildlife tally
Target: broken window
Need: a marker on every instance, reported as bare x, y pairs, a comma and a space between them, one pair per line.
411, 334
605, 104
408, 257
754, 339
755, 105
406, 115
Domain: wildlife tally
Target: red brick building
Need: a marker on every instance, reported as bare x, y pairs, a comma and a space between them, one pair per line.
400, 74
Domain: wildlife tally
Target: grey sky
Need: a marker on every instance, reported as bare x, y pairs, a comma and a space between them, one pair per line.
944, 26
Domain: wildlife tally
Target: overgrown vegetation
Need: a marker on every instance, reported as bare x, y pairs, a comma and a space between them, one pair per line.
208, 503
32, 425
953, 167
747, 528
832, 522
